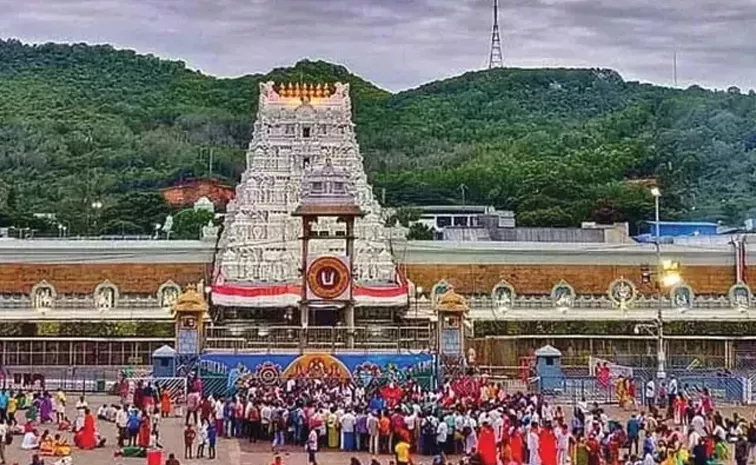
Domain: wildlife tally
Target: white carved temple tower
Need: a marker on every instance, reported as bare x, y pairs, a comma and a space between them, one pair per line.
299, 128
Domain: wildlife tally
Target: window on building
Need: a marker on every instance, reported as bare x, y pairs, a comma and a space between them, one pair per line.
460, 221
443, 221
306, 132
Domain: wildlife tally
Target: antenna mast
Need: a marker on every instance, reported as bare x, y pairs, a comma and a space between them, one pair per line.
674, 64
495, 59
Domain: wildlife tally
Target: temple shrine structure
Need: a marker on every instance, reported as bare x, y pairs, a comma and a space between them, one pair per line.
299, 130
304, 262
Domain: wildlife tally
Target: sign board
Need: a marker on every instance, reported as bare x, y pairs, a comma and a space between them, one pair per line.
328, 278
451, 342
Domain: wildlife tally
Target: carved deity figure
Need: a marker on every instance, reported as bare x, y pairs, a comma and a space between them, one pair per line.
503, 297
105, 298
168, 297
43, 298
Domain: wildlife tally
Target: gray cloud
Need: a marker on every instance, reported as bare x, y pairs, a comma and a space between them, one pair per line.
404, 43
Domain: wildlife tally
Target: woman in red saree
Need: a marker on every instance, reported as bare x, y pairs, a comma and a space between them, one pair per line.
487, 444
515, 445
165, 404
143, 439
86, 437
547, 446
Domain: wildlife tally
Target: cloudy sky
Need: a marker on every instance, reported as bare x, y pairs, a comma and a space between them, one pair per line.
403, 43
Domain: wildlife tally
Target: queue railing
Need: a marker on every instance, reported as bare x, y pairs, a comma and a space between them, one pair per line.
320, 338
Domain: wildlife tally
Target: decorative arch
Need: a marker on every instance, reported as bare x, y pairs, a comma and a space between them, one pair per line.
681, 296
439, 289
563, 295
622, 292
740, 296
168, 293
503, 295
105, 296
43, 296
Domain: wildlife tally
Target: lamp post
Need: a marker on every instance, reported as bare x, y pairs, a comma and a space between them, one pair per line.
96, 207
660, 355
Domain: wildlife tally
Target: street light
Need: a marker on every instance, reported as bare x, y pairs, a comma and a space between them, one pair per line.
667, 275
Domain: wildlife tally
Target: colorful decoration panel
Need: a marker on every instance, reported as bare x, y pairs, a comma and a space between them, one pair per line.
367, 370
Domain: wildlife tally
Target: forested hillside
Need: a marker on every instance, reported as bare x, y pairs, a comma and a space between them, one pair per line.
83, 123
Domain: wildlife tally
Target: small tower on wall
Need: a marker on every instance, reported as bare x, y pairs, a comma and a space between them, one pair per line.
327, 279
451, 309
190, 312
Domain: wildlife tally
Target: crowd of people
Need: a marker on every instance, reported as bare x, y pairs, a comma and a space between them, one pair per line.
44, 411
469, 420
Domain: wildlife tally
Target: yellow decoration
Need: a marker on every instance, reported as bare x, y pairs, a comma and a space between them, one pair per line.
450, 301
190, 301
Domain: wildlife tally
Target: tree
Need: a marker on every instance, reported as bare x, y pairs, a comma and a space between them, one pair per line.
188, 223
420, 232
134, 212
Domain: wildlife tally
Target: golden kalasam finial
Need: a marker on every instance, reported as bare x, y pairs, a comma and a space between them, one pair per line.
289, 90
297, 90
326, 90
282, 90
319, 90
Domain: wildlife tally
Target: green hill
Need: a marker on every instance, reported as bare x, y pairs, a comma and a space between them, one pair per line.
80, 123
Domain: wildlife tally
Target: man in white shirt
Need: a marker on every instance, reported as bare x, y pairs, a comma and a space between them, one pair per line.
265, 414
442, 433
563, 444
534, 458
671, 394
312, 447
122, 420
347, 422
650, 393
372, 428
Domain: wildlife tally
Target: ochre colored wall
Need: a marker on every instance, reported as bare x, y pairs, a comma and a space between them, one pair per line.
187, 195
83, 278
585, 279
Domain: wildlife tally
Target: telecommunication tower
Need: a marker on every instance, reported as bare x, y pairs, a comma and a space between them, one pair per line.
495, 59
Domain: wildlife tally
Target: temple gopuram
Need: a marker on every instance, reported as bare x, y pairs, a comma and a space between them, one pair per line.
259, 266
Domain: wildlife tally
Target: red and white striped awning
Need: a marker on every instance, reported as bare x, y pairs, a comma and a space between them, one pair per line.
234, 294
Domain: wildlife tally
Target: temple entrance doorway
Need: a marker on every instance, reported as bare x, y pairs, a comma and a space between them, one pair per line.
325, 316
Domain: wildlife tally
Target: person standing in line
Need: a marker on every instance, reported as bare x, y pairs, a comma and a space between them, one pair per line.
189, 435
402, 449
312, 447
3, 435
4, 405
650, 394
212, 436
347, 423
372, 429
202, 439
